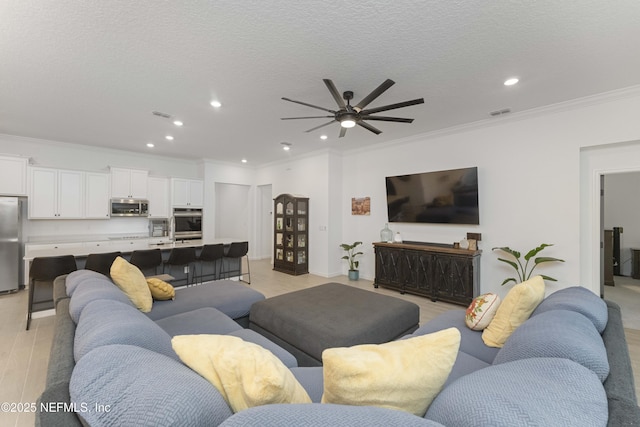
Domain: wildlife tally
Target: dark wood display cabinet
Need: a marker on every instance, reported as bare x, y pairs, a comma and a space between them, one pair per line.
434, 270
291, 234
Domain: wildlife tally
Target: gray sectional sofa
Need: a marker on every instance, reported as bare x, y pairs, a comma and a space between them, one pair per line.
567, 365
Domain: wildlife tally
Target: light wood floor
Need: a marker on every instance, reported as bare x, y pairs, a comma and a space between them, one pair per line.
24, 354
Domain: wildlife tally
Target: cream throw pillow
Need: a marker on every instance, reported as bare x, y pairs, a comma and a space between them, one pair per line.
514, 310
245, 373
132, 282
481, 311
405, 374
160, 290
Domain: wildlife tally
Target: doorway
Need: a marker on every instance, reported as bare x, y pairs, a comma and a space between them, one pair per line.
265, 222
597, 163
232, 209
620, 202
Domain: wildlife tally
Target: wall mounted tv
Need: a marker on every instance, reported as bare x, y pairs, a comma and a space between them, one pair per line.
441, 197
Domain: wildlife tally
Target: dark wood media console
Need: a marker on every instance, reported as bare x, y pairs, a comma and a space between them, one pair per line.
434, 270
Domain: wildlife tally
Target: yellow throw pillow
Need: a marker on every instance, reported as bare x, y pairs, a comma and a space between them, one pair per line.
246, 374
481, 311
515, 309
404, 375
160, 290
132, 282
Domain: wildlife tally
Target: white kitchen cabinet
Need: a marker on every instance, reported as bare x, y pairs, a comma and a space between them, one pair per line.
56, 194
129, 183
187, 193
13, 176
159, 197
97, 193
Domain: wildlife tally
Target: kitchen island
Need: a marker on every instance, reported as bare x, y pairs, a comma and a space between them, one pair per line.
81, 246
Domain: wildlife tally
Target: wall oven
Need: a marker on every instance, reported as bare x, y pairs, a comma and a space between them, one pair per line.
187, 224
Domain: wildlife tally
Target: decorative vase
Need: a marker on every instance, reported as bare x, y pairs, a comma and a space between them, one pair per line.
386, 235
354, 274
464, 244
397, 238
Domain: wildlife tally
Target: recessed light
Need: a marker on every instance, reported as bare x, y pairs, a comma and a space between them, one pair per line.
178, 123
150, 145
216, 104
323, 137
244, 160
286, 146
169, 138
511, 81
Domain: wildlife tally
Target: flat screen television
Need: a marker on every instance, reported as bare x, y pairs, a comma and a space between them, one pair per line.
441, 197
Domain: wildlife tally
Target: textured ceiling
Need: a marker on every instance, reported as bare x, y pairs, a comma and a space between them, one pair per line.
91, 72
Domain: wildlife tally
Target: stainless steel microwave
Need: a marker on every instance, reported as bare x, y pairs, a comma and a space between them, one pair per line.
129, 207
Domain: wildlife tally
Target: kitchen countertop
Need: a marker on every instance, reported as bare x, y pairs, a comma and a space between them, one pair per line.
82, 238
123, 245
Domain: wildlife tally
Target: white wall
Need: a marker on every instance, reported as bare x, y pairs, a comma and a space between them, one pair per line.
310, 176
63, 155
622, 209
529, 183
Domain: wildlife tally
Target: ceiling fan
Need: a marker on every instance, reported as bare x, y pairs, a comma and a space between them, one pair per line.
348, 116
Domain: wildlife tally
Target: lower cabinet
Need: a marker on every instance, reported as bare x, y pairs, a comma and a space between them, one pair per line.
433, 270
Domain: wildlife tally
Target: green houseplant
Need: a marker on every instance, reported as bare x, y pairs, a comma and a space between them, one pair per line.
351, 258
524, 270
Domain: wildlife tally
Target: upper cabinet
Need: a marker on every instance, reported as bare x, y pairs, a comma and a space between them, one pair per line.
97, 193
187, 193
129, 183
13, 176
56, 194
159, 197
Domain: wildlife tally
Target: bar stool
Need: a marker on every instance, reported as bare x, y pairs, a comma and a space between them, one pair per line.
211, 254
43, 272
147, 260
238, 250
181, 257
101, 262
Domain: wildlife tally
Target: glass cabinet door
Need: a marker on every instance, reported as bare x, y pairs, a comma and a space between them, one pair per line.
302, 208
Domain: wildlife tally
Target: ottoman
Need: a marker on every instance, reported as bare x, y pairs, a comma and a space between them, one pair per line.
308, 321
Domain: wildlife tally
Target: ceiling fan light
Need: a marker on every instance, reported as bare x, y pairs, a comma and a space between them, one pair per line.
348, 123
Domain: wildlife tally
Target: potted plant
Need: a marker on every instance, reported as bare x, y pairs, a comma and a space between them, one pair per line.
524, 272
351, 258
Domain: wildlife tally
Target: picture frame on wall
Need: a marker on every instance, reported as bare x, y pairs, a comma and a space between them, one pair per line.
361, 206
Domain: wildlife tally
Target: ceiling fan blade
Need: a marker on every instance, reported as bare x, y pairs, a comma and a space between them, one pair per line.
369, 127
309, 105
373, 95
343, 132
334, 92
387, 119
318, 127
393, 106
310, 117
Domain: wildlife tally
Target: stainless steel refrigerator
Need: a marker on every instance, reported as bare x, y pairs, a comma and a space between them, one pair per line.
10, 244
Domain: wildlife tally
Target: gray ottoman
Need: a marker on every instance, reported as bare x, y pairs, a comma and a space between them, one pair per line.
308, 321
